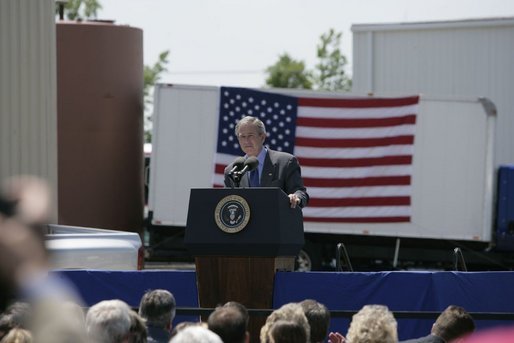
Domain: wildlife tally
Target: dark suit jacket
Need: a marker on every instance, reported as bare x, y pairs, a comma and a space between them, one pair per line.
280, 170
426, 339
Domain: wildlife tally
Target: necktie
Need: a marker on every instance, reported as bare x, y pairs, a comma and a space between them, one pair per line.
254, 178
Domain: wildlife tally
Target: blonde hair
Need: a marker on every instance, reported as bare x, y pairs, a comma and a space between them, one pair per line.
373, 324
289, 312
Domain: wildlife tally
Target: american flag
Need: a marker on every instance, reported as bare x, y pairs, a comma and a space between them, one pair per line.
355, 153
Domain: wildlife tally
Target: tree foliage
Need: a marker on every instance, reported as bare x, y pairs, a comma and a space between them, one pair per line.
152, 74
328, 73
288, 73
81, 9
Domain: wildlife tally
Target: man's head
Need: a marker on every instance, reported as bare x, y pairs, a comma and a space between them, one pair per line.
373, 324
251, 133
230, 323
109, 321
158, 308
453, 323
319, 319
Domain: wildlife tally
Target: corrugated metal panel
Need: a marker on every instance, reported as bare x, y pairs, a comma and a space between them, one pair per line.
463, 58
28, 130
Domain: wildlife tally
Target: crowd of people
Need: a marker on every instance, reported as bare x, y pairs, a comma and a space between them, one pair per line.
114, 321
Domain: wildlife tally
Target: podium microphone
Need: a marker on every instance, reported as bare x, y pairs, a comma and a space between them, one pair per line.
237, 165
250, 164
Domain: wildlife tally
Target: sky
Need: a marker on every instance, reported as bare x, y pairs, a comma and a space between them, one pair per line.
232, 42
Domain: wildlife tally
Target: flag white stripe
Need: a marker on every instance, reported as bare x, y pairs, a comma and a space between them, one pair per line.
358, 192
395, 150
368, 132
355, 113
376, 171
224, 159
357, 212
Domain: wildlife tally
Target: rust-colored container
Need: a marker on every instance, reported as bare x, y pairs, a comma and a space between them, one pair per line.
100, 125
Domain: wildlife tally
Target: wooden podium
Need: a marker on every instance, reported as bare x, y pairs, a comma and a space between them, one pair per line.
240, 237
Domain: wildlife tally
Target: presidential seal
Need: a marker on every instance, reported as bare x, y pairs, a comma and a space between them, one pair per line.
232, 214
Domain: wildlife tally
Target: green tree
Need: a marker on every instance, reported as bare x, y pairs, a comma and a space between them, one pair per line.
288, 73
152, 74
81, 9
329, 73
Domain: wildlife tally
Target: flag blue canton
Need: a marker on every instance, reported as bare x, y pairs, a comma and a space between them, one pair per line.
277, 112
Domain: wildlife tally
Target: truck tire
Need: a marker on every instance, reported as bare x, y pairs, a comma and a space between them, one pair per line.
309, 258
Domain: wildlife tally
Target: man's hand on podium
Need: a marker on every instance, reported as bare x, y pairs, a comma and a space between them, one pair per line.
294, 200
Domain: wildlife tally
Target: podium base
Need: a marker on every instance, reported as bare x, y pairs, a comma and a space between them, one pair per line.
247, 280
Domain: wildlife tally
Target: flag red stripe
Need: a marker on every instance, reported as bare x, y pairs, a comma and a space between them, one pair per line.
358, 102
356, 162
353, 123
371, 201
358, 182
219, 169
358, 219
355, 142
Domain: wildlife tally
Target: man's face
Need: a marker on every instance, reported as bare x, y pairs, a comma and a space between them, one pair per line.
250, 139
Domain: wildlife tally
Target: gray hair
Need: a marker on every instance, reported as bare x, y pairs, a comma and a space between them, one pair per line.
108, 321
158, 307
373, 324
253, 121
196, 334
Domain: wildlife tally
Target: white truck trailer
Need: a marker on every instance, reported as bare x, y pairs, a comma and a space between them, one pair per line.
453, 184
75, 247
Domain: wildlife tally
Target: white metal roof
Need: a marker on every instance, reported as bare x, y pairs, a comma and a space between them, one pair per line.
467, 23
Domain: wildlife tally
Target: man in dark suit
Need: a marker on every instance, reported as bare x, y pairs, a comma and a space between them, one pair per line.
276, 169
452, 325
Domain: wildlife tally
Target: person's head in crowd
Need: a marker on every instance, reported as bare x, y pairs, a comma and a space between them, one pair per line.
58, 322
18, 335
24, 206
6, 324
137, 328
196, 334
453, 323
230, 323
373, 324
74, 312
158, 308
109, 322
241, 308
287, 331
290, 312
182, 325
318, 316
17, 315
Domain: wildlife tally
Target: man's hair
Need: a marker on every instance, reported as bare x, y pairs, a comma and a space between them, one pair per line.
251, 120
291, 312
108, 321
241, 308
373, 324
229, 323
453, 323
287, 331
319, 319
158, 308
